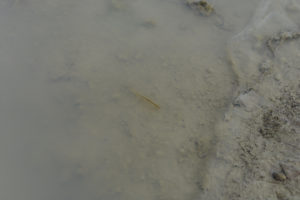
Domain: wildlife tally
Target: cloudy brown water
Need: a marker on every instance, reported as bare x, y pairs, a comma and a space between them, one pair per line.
72, 126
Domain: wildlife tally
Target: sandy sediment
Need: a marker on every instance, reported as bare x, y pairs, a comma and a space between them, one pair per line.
258, 153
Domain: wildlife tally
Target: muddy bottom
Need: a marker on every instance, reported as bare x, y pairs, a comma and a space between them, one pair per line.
132, 99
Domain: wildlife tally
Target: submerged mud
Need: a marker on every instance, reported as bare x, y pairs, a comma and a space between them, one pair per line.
137, 99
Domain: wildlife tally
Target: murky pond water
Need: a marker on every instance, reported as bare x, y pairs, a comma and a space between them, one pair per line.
79, 85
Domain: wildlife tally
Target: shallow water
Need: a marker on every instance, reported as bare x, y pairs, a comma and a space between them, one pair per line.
71, 125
